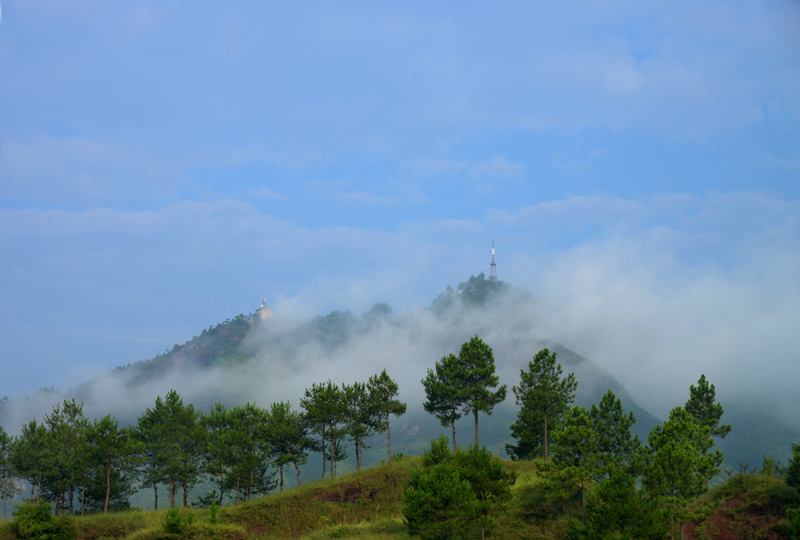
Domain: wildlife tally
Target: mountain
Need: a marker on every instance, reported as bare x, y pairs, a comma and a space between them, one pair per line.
248, 358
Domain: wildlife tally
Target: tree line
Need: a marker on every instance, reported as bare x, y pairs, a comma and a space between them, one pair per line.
80, 465
580, 448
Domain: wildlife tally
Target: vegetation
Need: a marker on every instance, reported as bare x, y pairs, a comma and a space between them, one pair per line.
543, 396
584, 487
461, 385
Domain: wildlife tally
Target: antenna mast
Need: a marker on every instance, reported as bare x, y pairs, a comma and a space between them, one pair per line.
493, 265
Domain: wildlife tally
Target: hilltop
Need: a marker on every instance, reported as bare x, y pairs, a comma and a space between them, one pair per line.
246, 358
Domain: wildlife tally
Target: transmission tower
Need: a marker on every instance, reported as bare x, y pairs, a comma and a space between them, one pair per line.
493, 265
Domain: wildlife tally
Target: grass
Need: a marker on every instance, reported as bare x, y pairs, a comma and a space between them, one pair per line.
367, 506
364, 505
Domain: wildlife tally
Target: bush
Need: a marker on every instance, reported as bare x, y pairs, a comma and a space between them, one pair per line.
33, 521
439, 504
174, 523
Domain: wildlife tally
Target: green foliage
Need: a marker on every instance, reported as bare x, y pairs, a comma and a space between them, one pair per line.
462, 384
33, 521
441, 390
702, 407
543, 397
438, 453
113, 449
383, 390
556, 492
431, 504
678, 460
325, 411
616, 509
174, 522
287, 434
361, 418
439, 504
213, 513
7, 472
617, 447
793, 528
477, 379
792, 474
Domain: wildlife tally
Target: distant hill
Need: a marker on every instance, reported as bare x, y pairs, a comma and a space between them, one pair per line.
486, 307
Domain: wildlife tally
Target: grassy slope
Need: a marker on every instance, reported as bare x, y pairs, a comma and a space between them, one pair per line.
363, 505
367, 506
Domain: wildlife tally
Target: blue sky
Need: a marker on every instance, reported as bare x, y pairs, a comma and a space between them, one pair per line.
164, 165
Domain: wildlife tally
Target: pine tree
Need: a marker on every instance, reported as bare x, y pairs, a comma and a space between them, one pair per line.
706, 412
444, 399
113, 448
702, 407
181, 439
249, 452
7, 471
29, 455
150, 432
617, 448
477, 378
362, 417
217, 424
678, 460
326, 410
384, 391
792, 476
489, 481
543, 396
288, 438
576, 446
439, 504
617, 509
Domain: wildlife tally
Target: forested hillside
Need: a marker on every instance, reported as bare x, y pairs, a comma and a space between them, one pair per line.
245, 360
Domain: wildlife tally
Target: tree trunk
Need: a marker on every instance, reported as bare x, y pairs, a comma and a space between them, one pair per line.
221, 486
672, 524
453, 425
333, 452
108, 488
238, 479
323, 455
298, 474
155, 492
545, 437
281, 467
71, 495
83, 497
185, 492
476, 427
389, 437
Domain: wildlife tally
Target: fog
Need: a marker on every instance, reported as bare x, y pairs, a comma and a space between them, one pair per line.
657, 294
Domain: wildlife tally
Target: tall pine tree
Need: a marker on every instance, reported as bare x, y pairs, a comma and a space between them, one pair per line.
477, 379
543, 396
384, 391
444, 399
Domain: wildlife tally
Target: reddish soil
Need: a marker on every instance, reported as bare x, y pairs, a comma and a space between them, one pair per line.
752, 522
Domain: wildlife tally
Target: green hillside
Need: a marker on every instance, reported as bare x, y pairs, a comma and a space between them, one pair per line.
230, 344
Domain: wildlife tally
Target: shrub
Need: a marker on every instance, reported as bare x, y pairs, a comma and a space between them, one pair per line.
33, 521
174, 523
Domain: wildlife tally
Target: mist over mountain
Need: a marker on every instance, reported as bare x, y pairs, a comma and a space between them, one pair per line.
248, 359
